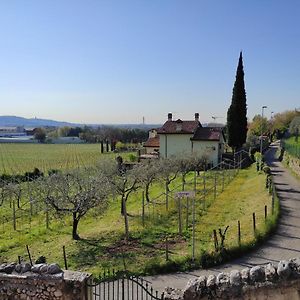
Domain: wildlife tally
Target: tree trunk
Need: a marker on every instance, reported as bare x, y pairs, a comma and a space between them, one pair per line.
147, 193
125, 218
123, 203
75, 226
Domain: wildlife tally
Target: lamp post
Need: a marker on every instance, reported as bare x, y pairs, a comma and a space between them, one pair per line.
261, 132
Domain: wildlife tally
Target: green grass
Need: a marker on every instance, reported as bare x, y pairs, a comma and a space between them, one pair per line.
292, 147
102, 245
20, 158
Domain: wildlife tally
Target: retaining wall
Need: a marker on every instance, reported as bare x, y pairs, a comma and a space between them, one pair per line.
276, 282
42, 281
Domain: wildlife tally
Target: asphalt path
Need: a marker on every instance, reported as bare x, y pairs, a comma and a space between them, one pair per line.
283, 244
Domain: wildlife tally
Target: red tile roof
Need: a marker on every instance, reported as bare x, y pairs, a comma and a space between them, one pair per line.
207, 134
152, 142
179, 126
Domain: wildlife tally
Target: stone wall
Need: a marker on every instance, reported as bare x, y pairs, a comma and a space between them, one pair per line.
41, 281
292, 162
276, 282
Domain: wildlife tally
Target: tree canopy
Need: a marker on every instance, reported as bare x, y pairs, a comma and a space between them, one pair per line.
237, 112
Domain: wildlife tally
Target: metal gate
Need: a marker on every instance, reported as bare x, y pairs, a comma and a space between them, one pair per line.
122, 286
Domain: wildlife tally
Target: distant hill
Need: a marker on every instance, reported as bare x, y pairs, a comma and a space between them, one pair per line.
13, 121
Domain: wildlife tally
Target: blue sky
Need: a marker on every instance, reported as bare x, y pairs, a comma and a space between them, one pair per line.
96, 61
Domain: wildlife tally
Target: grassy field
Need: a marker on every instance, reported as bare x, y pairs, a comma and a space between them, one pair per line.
20, 158
102, 245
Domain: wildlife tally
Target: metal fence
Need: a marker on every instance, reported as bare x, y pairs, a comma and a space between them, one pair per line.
122, 286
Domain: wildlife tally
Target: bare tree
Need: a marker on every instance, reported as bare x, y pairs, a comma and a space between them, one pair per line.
76, 193
149, 171
123, 182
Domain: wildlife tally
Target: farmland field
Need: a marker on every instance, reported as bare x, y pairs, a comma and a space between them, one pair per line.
102, 234
20, 158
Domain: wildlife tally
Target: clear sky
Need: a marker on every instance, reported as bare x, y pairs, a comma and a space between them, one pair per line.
94, 61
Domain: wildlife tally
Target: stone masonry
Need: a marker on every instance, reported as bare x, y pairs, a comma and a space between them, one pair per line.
276, 282
41, 281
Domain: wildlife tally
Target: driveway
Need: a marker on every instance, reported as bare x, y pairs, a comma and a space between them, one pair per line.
283, 244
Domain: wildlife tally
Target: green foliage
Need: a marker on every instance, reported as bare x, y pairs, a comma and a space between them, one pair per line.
258, 126
237, 112
103, 244
295, 126
40, 135
257, 156
292, 147
280, 123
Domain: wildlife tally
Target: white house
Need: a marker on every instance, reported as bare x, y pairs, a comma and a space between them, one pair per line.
188, 137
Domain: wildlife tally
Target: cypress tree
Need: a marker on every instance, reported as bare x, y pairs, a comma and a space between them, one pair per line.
237, 112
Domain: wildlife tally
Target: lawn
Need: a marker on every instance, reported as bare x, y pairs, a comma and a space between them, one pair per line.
102, 245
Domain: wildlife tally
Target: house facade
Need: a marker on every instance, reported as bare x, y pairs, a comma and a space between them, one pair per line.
151, 146
178, 137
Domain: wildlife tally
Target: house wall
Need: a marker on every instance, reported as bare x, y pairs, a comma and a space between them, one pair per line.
174, 144
208, 148
151, 149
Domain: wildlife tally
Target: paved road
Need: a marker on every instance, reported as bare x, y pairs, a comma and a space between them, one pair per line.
284, 244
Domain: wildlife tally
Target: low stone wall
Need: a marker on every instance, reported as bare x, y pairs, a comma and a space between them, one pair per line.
276, 282
41, 281
292, 162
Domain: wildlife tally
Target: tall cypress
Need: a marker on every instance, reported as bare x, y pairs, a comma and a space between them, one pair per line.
237, 112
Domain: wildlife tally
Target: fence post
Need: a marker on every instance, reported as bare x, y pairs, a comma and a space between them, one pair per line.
254, 223
216, 240
65, 258
223, 180
143, 209
239, 233
167, 196
179, 216
273, 197
167, 249
47, 217
29, 255
215, 186
204, 185
193, 233
14, 214
187, 213
266, 212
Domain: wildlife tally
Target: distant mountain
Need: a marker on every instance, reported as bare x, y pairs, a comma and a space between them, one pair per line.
13, 121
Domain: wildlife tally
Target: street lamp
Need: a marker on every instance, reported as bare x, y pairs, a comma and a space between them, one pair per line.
261, 132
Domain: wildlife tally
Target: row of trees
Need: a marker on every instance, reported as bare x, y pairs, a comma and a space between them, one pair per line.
94, 135
75, 193
276, 127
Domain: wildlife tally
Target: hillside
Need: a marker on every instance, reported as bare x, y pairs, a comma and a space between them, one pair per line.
13, 121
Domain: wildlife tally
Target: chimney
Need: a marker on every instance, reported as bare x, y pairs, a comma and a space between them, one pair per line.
169, 116
197, 117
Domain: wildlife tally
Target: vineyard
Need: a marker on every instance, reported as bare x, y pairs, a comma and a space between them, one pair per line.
167, 230
20, 158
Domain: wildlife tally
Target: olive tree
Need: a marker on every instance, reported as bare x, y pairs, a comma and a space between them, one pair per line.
123, 182
75, 193
149, 171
